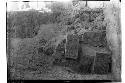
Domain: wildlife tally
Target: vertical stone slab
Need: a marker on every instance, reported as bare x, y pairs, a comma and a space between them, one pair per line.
102, 64
72, 46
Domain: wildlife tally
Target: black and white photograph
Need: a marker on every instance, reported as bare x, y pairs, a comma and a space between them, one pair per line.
64, 40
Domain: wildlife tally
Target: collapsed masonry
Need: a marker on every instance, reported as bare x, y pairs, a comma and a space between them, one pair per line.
86, 50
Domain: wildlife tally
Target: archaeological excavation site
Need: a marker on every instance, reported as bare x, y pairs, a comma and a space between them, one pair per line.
73, 41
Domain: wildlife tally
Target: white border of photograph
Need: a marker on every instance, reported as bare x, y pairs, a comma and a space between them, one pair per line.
3, 60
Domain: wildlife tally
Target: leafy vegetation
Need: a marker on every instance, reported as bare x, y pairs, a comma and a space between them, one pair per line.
26, 24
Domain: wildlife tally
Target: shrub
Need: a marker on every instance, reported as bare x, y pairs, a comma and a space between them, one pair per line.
27, 56
25, 24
